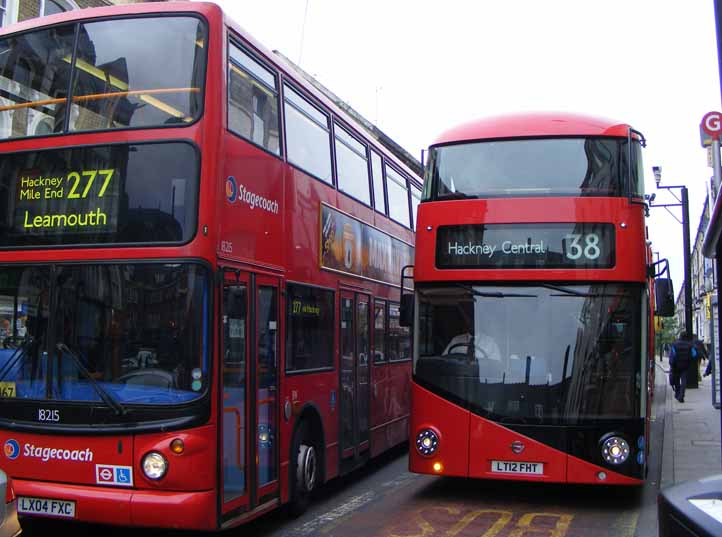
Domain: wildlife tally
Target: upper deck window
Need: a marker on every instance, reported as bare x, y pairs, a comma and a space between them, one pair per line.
252, 100
378, 175
143, 72
352, 166
307, 136
535, 167
398, 197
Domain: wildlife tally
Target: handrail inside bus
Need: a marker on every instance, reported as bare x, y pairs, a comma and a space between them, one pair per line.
144, 95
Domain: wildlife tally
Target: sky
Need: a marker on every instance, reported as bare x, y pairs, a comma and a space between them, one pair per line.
417, 67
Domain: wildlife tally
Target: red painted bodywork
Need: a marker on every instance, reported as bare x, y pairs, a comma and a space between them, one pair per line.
467, 442
282, 246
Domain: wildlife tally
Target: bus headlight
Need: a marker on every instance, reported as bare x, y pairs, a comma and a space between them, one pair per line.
154, 465
615, 450
426, 442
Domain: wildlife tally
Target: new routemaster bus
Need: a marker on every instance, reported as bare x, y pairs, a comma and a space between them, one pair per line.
532, 305
199, 260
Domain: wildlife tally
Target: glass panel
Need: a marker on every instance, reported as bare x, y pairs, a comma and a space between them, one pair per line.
34, 81
378, 174
398, 197
252, 104
399, 337
379, 331
362, 369
538, 167
301, 104
235, 345
52, 8
104, 194
139, 73
258, 71
266, 396
347, 373
136, 331
415, 200
543, 354
309, 331
352, 167
308, 144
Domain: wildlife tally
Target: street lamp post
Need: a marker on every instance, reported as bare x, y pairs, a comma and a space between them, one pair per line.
684, 203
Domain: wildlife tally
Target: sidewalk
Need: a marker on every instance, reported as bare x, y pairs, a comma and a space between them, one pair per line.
692, 448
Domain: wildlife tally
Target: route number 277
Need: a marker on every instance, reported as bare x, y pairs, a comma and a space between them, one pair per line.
582, 245
85, 180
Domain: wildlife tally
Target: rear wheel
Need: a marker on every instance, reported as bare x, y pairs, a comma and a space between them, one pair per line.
304, 470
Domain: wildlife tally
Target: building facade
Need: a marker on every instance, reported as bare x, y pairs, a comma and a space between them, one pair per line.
12, 11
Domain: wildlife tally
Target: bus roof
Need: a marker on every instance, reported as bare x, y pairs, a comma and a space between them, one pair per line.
530, 124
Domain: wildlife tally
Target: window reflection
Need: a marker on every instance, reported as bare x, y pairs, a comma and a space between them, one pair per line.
551, 354
137, 329
535, 167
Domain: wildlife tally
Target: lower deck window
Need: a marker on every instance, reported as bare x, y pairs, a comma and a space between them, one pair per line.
309, 334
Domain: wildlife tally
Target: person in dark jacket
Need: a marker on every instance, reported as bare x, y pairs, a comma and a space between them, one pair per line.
681, 356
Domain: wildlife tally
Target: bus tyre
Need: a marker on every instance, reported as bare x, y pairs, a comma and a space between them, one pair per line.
304, 471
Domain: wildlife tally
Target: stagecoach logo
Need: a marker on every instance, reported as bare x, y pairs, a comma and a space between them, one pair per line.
236, 192
517, 446
12, 449
231, 189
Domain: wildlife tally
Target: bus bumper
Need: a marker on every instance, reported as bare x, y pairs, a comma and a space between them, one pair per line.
120, 507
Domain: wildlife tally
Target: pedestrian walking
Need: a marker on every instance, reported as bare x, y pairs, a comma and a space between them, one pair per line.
702, 355
682, 355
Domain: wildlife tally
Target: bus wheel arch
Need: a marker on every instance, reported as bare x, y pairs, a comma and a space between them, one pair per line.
307, 459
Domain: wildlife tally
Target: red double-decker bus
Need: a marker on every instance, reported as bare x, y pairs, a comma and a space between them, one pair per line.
532, 308
200, 250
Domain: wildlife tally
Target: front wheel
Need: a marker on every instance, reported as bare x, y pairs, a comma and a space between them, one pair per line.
304, 470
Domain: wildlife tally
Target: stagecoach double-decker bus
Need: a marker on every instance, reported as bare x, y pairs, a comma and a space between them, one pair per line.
199, 260
532, 305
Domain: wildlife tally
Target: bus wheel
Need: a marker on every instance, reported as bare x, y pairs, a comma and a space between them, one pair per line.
304, 470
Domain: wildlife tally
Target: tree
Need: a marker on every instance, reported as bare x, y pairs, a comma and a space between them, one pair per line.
667, 334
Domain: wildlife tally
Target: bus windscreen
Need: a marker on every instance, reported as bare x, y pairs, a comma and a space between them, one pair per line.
127, 73
544, 354
535, 167
109, 194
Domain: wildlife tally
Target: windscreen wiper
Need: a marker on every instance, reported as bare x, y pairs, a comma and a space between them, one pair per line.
492, 294
108, 399
573, 292
454, 196
15, 357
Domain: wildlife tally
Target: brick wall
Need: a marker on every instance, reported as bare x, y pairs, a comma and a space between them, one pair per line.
28, 9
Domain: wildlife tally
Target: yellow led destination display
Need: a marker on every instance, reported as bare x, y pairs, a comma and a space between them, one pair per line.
80, 200
145, 193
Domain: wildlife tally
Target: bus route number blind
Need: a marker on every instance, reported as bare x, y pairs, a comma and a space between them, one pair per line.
558, 245
57, 201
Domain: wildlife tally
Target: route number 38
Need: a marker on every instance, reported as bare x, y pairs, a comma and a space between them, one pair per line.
580, 245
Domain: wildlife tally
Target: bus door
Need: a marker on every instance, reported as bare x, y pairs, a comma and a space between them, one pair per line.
249, 376
354, 371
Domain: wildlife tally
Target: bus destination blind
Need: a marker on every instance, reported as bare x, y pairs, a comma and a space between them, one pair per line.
61, 201
526, 246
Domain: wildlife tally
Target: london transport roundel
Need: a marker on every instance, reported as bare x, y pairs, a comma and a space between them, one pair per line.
231, 189
12, 449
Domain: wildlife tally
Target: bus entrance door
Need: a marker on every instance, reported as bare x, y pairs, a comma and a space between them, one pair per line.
354, 370
249, 354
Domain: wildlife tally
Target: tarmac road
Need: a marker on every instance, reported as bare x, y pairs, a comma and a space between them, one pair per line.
385, 500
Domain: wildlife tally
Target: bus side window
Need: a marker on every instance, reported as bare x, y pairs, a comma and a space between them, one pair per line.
252, 101
307, 136
398, 197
